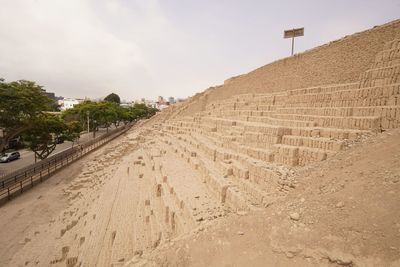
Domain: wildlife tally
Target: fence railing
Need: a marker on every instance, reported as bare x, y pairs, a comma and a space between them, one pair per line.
16, 182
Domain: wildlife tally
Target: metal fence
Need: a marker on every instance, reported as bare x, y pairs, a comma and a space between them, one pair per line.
19, 181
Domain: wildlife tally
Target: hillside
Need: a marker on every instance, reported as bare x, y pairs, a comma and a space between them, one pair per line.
257, 172
348, 216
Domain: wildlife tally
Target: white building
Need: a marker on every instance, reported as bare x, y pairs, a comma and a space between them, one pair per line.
161, 106
171, 100
68, 103
149, 103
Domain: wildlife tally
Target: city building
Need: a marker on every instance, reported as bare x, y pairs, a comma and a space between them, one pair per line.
68, 103
160, 103
171, 100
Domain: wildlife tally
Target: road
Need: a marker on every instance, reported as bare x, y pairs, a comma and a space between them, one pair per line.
28, 157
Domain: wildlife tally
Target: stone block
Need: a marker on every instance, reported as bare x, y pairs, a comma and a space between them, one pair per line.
173, 221
166, 215
158, 190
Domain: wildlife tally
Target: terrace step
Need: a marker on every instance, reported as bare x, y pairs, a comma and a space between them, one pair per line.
298, 155
345, 111
380, 73
387, 56
215, 178
323, 89
259, 173
350, 122
312, 142
392, 44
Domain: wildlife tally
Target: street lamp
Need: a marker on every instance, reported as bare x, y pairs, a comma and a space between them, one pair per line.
94, 128
88, 129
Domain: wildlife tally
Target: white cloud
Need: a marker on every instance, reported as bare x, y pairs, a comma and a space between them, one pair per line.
70, 48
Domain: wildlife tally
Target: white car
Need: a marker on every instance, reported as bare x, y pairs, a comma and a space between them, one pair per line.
6, 157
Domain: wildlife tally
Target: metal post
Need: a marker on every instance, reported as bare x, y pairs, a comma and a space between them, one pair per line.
293, 33
88, 129
292, 45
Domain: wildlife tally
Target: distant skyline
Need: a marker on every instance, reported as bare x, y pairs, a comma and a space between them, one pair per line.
146, 48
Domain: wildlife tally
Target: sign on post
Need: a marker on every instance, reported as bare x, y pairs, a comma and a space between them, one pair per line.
292, 34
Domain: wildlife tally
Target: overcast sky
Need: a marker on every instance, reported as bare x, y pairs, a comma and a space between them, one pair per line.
146, 48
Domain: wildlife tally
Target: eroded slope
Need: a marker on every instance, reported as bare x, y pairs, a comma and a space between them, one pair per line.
347, 210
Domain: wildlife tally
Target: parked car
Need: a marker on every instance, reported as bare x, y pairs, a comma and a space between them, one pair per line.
59, 140
6, 157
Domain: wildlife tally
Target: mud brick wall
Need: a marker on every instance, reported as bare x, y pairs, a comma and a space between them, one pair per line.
341, 61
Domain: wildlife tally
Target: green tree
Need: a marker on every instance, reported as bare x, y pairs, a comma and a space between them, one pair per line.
113, 98
87, 112
126, 115
97, 114
22, 102
108, 113
142, 111
73, 131
105, 113
43, 137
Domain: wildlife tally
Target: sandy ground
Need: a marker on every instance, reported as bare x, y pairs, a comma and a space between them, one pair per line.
105, 209
118, 207
34, 221
343, 212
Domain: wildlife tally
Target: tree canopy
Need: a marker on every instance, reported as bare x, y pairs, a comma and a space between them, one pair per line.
105, 114
22, 103
43, 137
113, 98
24, 111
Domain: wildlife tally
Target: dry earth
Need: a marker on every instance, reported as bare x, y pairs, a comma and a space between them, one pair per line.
344, 212
348, 215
